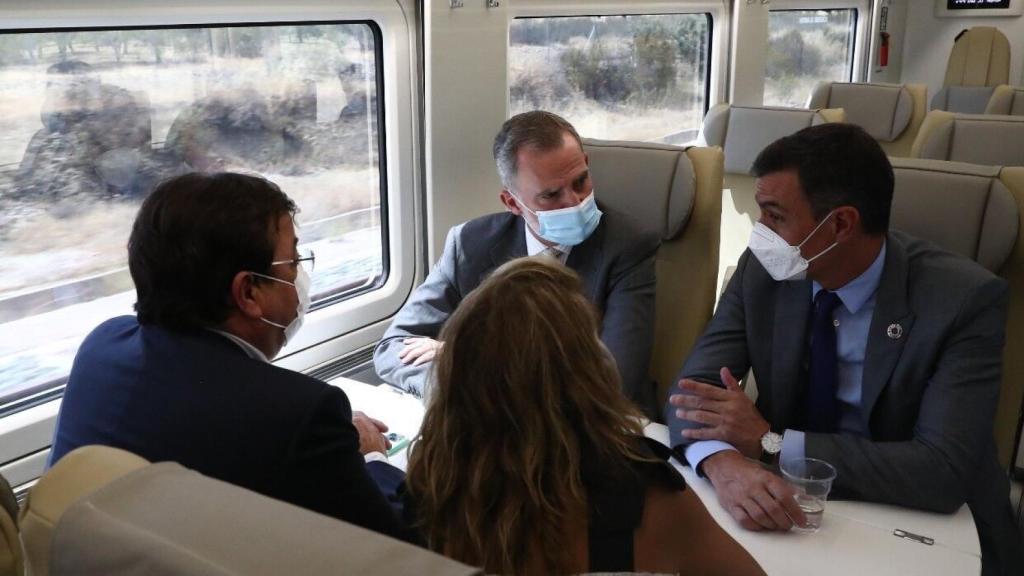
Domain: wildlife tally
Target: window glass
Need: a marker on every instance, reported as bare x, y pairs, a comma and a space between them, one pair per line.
91, 120
805, 47
615, 77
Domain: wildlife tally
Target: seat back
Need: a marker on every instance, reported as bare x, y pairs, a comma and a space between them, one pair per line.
677, 192
10, 547
743, 131
974, 211
1006, 100
77, 474
980, 57
891, 113
972, 138
979, 61
962, 99
163, 519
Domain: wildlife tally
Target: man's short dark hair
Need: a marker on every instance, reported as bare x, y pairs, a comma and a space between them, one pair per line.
838, 165
537, 129
193, 234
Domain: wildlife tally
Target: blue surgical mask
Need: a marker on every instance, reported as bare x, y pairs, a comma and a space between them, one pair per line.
567, 226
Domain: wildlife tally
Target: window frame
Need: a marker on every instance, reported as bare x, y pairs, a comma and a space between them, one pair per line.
335, 326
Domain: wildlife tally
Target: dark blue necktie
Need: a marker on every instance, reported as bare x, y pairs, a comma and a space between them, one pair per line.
822, 413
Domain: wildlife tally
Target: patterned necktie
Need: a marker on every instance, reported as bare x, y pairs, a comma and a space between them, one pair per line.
822, 413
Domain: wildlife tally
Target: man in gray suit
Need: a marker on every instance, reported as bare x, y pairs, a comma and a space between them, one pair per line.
874, 351
550, 208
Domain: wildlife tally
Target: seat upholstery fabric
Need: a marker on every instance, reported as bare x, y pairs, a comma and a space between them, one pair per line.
78, 473
164, 520
962, 99
1006, 100
743, 131
10, 547
891, 113
980, 57
677, 192
972, 138
974, 211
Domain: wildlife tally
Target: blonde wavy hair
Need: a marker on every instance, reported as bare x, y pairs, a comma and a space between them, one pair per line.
523, 389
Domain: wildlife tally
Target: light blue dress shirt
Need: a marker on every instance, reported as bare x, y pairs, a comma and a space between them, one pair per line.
852, 321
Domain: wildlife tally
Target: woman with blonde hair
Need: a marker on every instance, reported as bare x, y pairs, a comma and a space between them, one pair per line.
531, 461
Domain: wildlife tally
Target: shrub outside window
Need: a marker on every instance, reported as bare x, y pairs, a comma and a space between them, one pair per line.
641, 77
91, 120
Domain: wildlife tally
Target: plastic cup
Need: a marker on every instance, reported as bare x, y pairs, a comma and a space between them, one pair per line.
812, 479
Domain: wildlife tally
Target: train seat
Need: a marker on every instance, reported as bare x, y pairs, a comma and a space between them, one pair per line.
1006, 100
973, 138
105, 511
979, 61
891, 113
743, 131
677, 192
10, 546
974, 211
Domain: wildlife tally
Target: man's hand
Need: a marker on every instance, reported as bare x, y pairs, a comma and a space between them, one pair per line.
419, 350
756, 498
727, 414
371, 434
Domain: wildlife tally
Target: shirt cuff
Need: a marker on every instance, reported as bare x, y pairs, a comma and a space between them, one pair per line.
698, 451
376, 457
792, 445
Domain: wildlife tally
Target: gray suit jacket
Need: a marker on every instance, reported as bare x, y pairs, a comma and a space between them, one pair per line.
928, 397
616, 264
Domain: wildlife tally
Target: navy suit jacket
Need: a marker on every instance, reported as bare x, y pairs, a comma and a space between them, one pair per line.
615, 263
198, 399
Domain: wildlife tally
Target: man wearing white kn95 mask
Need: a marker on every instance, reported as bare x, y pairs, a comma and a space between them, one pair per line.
874, 351
550, 208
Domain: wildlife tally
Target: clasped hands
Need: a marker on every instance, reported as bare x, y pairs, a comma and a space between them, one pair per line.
755, 497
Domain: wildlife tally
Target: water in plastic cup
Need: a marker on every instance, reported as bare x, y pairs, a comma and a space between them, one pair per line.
812, 479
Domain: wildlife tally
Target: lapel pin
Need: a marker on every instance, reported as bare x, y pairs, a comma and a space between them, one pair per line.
894, 331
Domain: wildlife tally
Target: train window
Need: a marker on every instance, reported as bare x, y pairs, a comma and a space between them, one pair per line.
91, 120
638, 77
805, 47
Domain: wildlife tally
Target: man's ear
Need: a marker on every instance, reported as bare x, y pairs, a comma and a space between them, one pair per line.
246, 295
847, 223
509, 202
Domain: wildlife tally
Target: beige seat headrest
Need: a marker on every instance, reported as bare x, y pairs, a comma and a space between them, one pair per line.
882, 110
653, 183
964, 208
80, 472
1006, 100
743, 131
164, 520
972, 138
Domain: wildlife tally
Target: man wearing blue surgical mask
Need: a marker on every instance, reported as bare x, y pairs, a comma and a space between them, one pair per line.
872, 350
222, 287
550, 208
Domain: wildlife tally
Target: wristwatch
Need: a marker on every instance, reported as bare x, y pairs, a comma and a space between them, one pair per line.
771, 445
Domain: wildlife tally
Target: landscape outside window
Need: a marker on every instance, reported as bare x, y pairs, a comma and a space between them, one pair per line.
805, 47
641, 77
91, 120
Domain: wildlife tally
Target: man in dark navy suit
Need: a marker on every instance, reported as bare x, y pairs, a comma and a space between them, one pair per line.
221, 288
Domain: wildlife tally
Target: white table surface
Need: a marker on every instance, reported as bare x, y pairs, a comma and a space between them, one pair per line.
856, 538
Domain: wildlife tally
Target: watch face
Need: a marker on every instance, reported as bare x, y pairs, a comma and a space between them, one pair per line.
771, 443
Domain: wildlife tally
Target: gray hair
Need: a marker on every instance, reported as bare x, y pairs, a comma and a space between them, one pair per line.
538, 129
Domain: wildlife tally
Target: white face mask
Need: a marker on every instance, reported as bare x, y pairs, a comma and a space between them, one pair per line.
779, 258
301, 286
